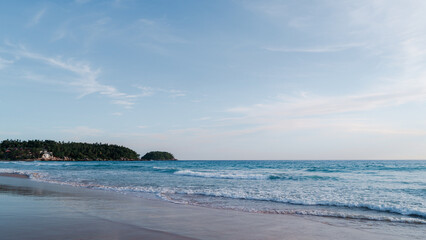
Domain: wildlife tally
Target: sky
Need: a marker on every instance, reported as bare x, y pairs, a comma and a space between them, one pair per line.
225, 80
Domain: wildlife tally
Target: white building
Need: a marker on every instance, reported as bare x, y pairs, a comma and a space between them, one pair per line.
46, 155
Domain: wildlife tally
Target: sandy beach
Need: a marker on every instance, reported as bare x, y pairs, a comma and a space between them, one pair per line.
35, 210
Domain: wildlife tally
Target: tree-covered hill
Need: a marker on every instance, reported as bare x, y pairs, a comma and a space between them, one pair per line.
156, 155
72, 151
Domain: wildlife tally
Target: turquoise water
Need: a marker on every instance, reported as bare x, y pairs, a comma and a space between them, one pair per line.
385, 191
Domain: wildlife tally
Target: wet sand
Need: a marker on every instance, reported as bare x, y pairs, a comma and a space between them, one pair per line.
34, 210
15, 175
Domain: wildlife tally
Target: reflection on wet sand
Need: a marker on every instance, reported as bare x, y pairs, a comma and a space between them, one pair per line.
15, 175
61, 215
26, 191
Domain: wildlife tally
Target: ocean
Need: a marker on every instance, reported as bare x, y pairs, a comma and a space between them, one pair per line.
376, 191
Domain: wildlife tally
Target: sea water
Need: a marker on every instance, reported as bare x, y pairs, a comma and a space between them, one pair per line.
376, 191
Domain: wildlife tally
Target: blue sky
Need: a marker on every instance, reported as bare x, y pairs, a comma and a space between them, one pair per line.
218, 79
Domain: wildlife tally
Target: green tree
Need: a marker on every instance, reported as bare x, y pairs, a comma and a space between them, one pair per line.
157, 155
19, 150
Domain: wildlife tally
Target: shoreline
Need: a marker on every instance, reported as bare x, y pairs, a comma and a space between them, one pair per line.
143, 215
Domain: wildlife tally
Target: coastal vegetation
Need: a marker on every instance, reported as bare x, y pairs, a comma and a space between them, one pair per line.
157, 155
68, 151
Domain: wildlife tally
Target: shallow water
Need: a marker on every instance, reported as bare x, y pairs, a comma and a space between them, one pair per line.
377, 191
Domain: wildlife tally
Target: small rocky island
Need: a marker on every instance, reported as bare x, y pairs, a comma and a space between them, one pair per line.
158, 156
48, 150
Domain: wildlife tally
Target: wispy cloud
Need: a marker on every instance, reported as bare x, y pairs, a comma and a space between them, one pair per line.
150, 91
289, 113
81, 131
323, 105
84, 78
377, 129
154, 35
202, 119
8, 134
40, 78
4, 63
392, 33
81, 1
59, 34
268, 8
146, 91
391, 29
321, 49
37, 17
157, 31
175, 93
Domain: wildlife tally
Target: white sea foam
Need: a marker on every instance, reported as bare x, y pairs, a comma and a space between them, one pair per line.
322, 213
317, 213
31, 174
223, 174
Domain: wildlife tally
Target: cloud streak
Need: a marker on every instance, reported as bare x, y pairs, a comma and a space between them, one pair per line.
321, 49
83, 77
37, 17
80, 131
290, 113
324, 105
149, 91
4, 63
